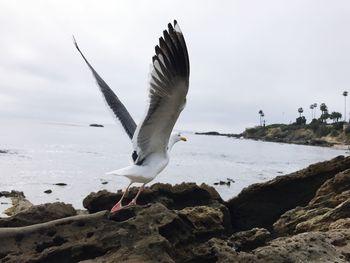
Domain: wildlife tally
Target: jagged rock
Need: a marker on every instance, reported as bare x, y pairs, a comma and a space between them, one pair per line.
38, 214
330, 204
173, 197
19, 202
250, 239
214, 250
311, 247
260, 205
207, 220
139, 234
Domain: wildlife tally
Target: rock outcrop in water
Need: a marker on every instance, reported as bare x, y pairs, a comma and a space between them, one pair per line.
301, 217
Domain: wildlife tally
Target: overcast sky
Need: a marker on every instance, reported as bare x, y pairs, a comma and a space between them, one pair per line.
245, 56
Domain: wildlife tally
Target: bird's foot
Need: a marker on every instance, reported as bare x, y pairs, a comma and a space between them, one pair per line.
132, 203
118, 206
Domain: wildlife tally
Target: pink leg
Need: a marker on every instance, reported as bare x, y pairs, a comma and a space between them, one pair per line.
119, 205
133, 201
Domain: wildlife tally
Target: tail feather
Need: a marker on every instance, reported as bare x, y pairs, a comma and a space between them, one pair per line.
135, 173
121, 172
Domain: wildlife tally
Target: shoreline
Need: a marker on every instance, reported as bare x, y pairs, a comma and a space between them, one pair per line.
292, 134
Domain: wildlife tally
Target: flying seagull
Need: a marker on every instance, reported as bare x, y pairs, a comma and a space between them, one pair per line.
153, 139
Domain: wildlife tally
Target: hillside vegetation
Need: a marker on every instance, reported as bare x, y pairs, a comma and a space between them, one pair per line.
315, 133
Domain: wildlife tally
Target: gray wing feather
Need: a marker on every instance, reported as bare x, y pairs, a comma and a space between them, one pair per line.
112, 100
167, 95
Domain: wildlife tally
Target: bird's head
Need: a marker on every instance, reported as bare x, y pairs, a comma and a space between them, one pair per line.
176, 137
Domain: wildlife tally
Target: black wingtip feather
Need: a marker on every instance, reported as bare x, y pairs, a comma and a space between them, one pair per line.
112, 100
170, 27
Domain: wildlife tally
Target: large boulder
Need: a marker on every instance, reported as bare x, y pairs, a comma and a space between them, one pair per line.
173, 197
38, 214
330, 204
311, 247
260, 205
150, 233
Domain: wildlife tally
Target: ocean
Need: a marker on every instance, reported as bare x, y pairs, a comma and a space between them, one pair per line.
42, 154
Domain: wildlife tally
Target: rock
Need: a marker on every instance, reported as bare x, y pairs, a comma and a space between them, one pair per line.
250, 239
215, 133
227, 183
4, 151
60, 184
322, 221
96, 125
11, 194
139, 234
48, 191
207, 221
19, 202
260, 205
331, 203
311, 247
38, 214
214, 250
208, 133
230, 180
173, 197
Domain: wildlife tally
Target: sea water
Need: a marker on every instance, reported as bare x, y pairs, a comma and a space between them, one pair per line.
40, 155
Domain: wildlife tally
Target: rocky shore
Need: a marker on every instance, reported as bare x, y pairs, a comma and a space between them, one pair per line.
316, 134
300, 217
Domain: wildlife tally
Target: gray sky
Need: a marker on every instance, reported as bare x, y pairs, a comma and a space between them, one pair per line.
245, 55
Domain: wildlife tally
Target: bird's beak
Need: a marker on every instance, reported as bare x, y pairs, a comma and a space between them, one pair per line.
183, 139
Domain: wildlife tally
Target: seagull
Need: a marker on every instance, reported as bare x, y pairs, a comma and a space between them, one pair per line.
153, 139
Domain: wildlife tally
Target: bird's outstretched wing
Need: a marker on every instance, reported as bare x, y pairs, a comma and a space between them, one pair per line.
112, 100
167, 95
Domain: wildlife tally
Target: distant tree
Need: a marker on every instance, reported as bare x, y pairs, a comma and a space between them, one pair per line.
335, 116
345, 94
315, 107
323, 108
312, 111
300, 110
324, 116
301, 120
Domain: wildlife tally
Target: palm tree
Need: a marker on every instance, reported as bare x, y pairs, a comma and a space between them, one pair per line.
335, 116
300, 110
315, 106
312, 111
345, 94
323, 107
324, 116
